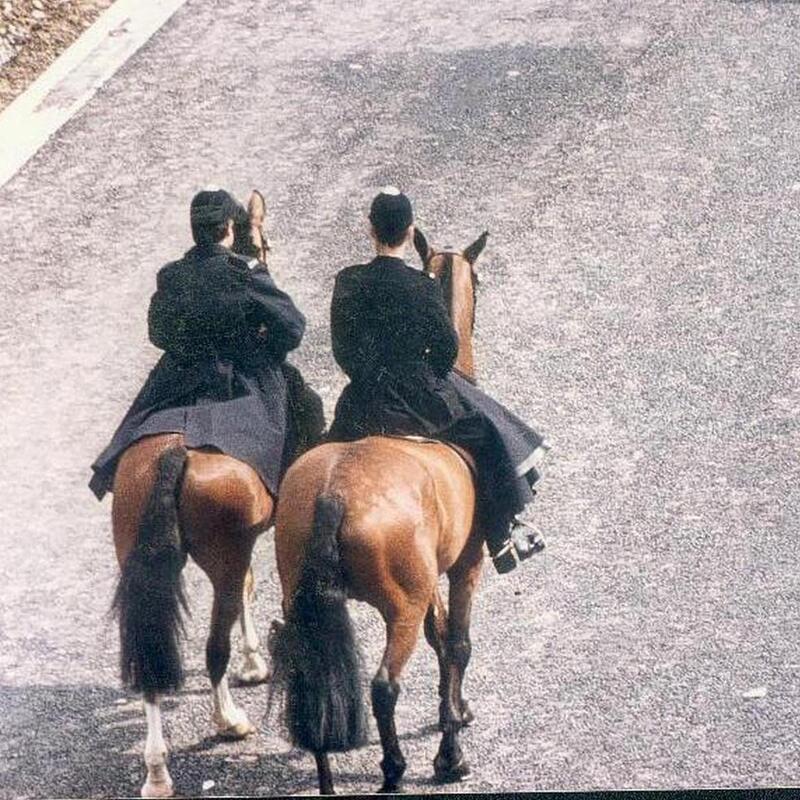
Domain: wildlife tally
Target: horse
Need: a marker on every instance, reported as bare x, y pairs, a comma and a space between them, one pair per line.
379, 520
170, 501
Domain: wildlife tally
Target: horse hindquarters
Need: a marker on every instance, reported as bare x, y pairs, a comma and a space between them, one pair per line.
316, 659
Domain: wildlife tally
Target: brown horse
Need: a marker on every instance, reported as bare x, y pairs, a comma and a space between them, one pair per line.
170, 501
379, 520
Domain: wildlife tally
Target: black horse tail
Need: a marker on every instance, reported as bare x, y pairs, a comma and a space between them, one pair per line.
316, 659
150, 599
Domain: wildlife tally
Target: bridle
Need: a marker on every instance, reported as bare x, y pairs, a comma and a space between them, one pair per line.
444, 276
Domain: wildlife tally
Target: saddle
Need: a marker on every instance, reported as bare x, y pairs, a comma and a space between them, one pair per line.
460, 451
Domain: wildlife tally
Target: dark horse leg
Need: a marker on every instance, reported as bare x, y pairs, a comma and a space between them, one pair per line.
401, 636
324, 773
436, 635
449, 764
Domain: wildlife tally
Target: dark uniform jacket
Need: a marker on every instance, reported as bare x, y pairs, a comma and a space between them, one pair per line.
225, 329
392, 335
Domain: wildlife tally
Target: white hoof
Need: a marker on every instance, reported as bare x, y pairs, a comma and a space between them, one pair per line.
238, 730
158, 789
254, 670
233, 726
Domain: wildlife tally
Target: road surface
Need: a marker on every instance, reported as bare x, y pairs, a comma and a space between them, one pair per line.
637, 167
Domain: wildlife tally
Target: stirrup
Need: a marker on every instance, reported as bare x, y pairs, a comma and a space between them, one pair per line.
513, 552
506, 559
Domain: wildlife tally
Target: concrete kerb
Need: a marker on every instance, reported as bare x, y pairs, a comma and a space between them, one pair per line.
74, 77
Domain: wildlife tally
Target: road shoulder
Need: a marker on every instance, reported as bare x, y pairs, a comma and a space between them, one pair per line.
74, 77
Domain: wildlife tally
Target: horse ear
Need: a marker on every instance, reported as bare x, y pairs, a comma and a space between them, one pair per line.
476, 248
256, 208
422, 246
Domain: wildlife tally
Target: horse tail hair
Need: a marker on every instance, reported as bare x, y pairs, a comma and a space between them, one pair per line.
317, 662
150, 598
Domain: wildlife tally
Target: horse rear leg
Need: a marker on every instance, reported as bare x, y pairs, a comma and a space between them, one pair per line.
464, 577
254, 669
224, 507
223, 550
450, 764
324, 773
402, 630
230, 720
159, 781
436, 635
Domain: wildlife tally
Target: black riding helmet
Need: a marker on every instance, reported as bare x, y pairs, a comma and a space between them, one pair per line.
390, 215
214, 207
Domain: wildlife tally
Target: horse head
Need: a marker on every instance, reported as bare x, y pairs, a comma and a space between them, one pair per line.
248, 229
458, 276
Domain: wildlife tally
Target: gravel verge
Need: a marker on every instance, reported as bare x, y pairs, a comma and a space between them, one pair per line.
33, 33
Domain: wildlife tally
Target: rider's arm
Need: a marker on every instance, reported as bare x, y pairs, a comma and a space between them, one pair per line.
347, 326
168, 327
439, 336
284, 323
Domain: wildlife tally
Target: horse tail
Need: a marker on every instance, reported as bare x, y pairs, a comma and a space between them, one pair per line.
316, 659
150, 598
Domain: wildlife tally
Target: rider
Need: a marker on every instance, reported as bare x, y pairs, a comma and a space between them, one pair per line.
223, 382
392, 335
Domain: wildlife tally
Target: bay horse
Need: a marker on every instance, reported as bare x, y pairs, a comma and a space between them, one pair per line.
379, 520
170, 501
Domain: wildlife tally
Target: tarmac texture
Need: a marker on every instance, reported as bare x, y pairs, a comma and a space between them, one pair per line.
636, 165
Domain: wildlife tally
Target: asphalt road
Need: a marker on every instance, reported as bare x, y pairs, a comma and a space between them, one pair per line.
637, 167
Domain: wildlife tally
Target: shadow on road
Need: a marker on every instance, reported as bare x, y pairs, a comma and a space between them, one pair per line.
86, 741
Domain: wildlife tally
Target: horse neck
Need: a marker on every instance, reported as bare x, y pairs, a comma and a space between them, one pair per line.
459, 293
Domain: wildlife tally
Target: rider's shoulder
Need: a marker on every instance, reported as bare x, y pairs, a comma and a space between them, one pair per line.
169, 270
352, 273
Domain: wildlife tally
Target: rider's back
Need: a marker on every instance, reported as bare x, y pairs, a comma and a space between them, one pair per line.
386, 315
211, 303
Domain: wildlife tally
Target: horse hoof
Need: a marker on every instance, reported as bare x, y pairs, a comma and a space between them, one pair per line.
450, 773
253, 677
161, 789
390, 788
254, 671
240, 730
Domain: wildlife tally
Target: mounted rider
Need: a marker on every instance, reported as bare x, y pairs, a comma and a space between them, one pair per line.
223, 380
393, 337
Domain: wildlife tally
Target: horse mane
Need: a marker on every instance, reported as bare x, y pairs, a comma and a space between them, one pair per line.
446, 280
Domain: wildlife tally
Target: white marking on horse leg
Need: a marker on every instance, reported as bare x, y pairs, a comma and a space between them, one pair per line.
159, 782
230, 721
254, 669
